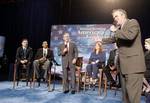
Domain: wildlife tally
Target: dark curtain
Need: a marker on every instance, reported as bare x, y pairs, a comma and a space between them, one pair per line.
34, 19
31, 19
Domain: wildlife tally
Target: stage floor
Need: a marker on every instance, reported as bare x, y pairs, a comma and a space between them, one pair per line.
24, 94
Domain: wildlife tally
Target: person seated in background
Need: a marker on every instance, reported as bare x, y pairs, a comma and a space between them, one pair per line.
146, 80
96, 61
112, 65
24, 56
43, 61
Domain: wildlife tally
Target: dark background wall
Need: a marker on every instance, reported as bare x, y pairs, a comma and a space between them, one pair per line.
32, 19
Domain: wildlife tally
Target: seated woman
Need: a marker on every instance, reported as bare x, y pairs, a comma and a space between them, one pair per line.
96, 61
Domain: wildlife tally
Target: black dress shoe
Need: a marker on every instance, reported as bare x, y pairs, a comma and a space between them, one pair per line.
93, 87
38, 80
66, 91
73, 92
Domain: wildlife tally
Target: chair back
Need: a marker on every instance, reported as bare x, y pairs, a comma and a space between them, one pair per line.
79, 61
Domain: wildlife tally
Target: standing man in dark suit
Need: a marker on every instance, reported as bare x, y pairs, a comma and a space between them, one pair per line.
43, 59
24, 56
127, 35
69, 53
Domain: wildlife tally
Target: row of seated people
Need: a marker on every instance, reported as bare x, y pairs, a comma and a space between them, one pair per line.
24, 58
44, 58
96, 62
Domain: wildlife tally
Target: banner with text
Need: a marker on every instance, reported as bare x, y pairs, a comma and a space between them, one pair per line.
84, 37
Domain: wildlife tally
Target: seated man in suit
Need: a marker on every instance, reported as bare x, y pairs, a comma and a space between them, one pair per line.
23, 57
43, 59
112, 65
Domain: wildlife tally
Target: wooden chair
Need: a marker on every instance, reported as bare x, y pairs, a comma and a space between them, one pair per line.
115, 75
23, 75
79, 64
48, 79
102, 80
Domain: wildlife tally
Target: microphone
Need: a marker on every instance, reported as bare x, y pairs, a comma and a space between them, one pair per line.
114, 23
66, 47
55, 62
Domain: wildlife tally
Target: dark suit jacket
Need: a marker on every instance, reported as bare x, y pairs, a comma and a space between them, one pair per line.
49, 56
147, 61
68, 57
128, 39
111, 57
20, 54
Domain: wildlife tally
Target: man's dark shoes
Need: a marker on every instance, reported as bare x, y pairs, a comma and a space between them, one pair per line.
73, 92
66, 91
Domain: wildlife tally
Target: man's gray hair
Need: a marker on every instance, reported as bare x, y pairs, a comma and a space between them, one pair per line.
121, 11
147, 40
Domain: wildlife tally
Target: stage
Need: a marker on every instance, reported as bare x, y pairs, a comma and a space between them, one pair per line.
24, 94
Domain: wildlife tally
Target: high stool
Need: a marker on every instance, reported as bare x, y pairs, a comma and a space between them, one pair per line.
22, 73
48, 79
102, 81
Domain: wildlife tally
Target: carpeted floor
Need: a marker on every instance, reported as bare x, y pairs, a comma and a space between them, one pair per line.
24, 94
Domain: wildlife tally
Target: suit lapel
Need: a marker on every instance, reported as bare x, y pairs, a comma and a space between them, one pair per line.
70, 46
48, 52
27, 50
125, 25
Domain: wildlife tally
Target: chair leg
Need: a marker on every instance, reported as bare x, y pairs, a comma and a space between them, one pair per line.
78, 84
26, 82
84, 81
49, 81
100, 82
105, 87
30, 83
27, 78
62, 84
14, 78
33, 78
116, 79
